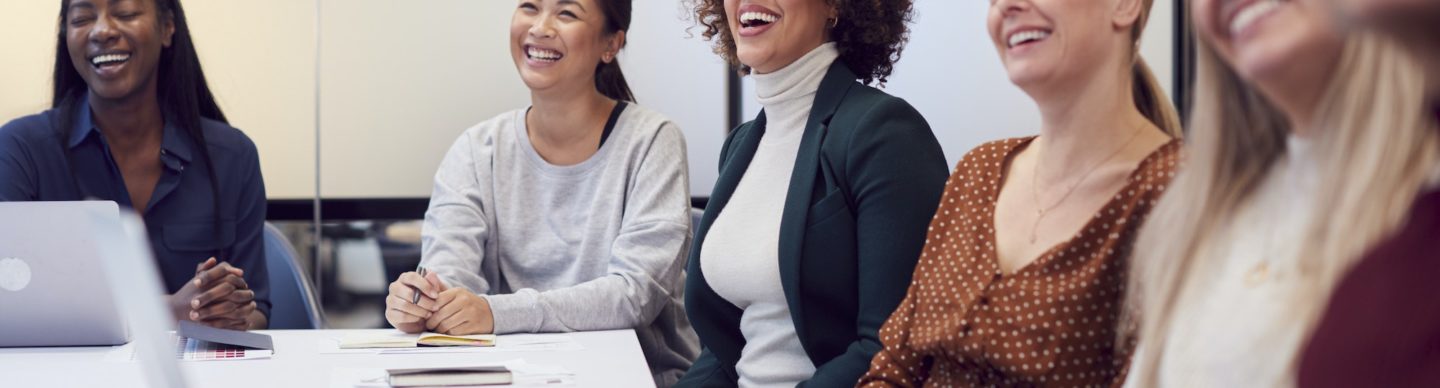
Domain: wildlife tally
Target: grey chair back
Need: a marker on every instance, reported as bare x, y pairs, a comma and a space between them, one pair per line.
293, 304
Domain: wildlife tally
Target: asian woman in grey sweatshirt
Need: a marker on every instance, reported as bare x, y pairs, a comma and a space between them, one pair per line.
568, 215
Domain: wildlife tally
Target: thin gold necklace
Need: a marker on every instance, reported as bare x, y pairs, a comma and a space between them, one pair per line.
1040, 210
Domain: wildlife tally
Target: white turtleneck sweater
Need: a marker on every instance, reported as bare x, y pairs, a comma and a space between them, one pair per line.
741, 255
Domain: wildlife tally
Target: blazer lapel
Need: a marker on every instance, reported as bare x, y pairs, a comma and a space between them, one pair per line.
837, 82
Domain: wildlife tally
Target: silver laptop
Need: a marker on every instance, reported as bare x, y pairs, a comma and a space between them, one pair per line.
83, 274
53, 285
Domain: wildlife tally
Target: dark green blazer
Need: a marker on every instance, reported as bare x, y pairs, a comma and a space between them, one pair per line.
866, 182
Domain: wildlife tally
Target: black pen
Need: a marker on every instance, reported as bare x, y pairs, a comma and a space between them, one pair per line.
416, 299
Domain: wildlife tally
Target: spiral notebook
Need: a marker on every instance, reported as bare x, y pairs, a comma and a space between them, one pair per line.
401, 340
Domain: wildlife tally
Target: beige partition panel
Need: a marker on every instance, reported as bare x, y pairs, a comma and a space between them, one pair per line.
260, 58
29, 29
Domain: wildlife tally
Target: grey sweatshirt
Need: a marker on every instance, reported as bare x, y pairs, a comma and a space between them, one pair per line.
599, 245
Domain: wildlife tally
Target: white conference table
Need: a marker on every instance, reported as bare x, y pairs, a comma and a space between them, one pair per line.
607, 359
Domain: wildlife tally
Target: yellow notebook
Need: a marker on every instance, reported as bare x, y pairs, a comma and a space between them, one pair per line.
401, 340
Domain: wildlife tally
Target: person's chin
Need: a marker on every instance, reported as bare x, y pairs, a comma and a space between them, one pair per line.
549, 83
536, 85
1252, 70
533, 78
110, 90
757, 59
1263, 61
1025, 75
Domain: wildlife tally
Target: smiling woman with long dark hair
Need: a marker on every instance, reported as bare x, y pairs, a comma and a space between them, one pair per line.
569, 214
133, 121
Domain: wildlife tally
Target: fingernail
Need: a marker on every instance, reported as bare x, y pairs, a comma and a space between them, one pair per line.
194, 315
197, 281
194, 303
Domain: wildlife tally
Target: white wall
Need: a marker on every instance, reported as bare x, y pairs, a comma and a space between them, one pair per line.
951, 73
677, 75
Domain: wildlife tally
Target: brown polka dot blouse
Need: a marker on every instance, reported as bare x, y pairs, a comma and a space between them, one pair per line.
965, 324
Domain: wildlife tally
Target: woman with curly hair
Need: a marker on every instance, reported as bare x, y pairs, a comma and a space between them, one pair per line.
1022, 273
812, 231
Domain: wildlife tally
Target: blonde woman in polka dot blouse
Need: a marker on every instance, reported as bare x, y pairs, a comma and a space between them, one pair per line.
1023, 271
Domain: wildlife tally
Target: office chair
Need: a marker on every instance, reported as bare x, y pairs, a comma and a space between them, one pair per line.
292, 297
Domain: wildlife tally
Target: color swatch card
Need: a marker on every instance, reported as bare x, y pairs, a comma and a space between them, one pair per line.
200, 350
194, 350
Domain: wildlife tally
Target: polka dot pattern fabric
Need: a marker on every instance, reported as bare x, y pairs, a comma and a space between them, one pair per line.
964, 323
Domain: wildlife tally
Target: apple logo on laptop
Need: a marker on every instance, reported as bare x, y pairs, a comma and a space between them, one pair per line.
14, 274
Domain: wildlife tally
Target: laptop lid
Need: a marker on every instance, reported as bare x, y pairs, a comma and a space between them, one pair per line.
130, 262
53, 285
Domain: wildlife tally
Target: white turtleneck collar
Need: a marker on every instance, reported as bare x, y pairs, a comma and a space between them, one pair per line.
788, 94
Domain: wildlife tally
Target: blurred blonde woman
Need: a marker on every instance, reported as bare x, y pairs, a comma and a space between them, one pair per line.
1022, 274
1308, 147
1383, 319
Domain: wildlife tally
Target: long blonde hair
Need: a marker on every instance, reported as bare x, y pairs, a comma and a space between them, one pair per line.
1376, 149
1145, 89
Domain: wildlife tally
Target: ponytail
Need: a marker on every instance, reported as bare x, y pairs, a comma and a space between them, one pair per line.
1149, 97
610, 81
1151, 101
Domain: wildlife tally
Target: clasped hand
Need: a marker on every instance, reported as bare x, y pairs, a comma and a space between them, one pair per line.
217, 297
441, 309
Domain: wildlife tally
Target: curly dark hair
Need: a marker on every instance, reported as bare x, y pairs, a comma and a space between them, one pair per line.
870, 34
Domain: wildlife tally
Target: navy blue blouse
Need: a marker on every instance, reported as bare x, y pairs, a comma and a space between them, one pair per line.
181, 215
